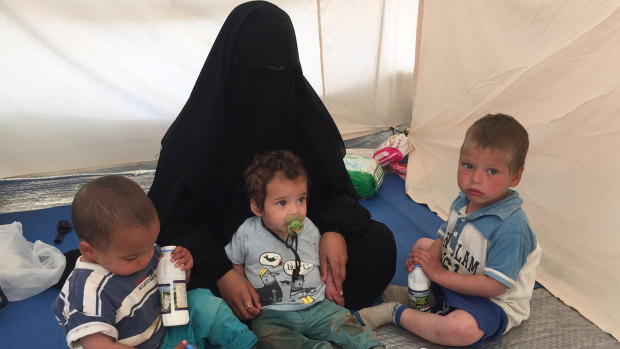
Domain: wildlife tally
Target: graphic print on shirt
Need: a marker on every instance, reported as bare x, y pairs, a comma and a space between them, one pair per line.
463, 249
271, 292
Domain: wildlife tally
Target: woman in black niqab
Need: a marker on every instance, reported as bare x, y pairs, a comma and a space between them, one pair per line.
251, 96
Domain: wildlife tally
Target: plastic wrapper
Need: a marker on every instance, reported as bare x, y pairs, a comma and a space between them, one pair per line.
400, 169
27, 268
393, 149
365, 173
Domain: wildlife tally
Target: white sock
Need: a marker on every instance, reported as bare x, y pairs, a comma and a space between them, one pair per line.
382, 314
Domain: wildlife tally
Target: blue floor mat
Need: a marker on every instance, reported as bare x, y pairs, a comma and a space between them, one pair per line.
407, 219
30, 324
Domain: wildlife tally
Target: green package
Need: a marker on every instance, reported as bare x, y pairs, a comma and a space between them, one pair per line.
365, 173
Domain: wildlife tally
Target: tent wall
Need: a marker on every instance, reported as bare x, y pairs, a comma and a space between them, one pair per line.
88, 84
554, 66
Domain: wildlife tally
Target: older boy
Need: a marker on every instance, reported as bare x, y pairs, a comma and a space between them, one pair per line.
484, 260
111, 298
278, 251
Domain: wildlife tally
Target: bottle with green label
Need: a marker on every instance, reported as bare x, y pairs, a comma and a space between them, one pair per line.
419, 289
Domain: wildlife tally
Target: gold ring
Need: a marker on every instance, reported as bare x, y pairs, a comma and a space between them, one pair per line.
248, 306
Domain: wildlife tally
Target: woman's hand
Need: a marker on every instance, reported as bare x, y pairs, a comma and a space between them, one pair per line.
333, 253
330, 290
240, 295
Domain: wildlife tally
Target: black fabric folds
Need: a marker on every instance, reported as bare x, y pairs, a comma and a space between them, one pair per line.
251, 96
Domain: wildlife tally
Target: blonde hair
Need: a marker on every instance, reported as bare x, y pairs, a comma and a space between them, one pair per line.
501, 133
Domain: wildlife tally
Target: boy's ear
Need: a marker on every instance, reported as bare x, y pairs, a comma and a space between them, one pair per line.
88, 251
255, 209
516, 178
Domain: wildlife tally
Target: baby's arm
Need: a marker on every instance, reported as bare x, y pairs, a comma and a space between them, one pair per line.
100, 340
239, 268
473, 285
183, 260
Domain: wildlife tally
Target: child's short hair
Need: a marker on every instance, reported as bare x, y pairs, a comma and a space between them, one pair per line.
107, 203
264, 167
503, 134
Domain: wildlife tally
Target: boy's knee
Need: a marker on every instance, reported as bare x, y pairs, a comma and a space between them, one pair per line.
463, 330
423, 243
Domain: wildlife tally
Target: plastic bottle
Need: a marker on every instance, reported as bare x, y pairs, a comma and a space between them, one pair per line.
419, 289
172, 291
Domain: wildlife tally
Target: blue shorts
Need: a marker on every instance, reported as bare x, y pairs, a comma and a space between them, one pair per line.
491, 318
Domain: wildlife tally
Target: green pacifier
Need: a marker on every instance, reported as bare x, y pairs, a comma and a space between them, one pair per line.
294, 224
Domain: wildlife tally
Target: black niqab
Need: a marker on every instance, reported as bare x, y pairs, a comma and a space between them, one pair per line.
250, 96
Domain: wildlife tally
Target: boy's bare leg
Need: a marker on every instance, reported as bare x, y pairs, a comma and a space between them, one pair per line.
458, 328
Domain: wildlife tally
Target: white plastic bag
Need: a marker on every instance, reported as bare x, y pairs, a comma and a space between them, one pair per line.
27, 268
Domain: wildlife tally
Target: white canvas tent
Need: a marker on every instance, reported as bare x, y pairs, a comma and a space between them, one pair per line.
555, 66
97, 83
88, 84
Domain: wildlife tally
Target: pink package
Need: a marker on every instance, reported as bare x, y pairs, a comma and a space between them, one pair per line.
400, 169
393, 149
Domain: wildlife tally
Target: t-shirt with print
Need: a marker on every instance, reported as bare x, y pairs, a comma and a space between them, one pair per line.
496, 241
269, 265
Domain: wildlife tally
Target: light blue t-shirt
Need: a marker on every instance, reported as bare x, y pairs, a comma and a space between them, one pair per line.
496, 241
269, 265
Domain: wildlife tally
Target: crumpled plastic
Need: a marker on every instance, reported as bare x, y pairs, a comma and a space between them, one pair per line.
393, 149
27, 268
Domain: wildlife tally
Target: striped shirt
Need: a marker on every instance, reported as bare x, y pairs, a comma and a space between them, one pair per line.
126, 308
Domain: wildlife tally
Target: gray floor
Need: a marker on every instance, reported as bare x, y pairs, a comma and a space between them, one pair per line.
552, 324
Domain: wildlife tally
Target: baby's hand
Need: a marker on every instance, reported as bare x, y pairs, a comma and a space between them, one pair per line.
430, 265
184, 345
410, 264
182, 259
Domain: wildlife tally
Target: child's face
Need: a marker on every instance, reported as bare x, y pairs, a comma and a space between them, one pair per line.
129, 250
484, 177
284, 198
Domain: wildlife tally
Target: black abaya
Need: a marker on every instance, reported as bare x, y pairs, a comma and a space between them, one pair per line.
251, 96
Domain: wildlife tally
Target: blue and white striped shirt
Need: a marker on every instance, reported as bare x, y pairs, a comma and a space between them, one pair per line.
126, 308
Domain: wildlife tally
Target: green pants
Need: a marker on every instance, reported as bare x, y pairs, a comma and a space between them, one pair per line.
209, 318
313, 327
